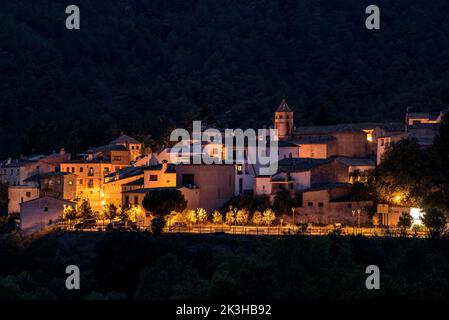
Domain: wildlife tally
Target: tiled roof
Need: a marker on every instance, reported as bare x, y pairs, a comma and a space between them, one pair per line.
137, 182
125, 173
146, 190
125, 139
300, 164
327, 186
50, 197
86, 161
15, 163
106, 148
36, 177
283, 143
313, 140
171, 168
283, 107
356, 161
351, 127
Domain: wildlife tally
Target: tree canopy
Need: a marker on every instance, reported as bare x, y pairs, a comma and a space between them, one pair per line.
164, 201
145, 66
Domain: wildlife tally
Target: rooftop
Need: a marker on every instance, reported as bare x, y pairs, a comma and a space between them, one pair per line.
125, 173
283, 143
283, 107
137, 182
171, 168
49, 197
328, 186
313, 140
351, 127
356, 161
146, 190
300, 164
432, 116
106, 148
36, 177
15, 163
125, 139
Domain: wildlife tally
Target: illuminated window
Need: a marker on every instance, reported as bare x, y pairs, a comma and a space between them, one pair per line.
239, 169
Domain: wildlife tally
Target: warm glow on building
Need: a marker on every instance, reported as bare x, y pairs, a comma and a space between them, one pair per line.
369, 134
417, 215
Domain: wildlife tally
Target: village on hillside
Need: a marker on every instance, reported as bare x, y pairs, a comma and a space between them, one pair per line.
105, 187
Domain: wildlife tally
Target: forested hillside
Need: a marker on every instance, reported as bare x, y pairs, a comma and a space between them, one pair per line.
142, 66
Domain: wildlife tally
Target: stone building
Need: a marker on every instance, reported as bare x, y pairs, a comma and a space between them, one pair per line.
115, 184
153, 177
14, 172
283, 121
20, 194
41, 213
132, 145
206, 186
329, 203
55, 184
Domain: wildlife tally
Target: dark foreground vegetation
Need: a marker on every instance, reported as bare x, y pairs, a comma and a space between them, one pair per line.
144, 66
140, 266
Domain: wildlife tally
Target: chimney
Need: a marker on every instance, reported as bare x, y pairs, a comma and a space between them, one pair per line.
9, 161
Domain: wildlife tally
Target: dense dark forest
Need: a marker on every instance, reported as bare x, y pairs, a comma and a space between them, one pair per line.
140, 266
144, 66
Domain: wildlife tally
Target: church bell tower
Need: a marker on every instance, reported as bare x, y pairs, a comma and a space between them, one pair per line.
283, 121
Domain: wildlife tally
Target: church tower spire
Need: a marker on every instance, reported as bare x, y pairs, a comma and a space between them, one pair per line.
283, 121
